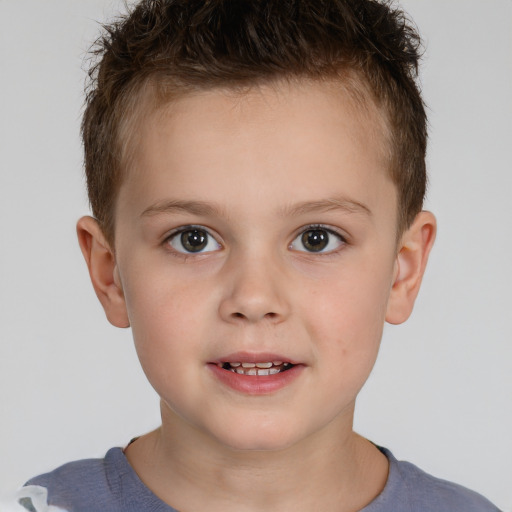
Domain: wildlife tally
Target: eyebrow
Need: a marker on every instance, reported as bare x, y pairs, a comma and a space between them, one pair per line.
203, 208
194, 207
325, 205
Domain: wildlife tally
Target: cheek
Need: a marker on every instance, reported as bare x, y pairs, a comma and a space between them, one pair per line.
168, 339
347, 321
161, 297
164, 312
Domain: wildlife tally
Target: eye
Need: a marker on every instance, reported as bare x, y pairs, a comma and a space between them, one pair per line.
193, 240
317, 239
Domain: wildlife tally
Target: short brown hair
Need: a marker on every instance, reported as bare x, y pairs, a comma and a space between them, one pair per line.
186, 45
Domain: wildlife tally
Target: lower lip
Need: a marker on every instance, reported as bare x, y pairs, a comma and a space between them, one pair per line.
256, 384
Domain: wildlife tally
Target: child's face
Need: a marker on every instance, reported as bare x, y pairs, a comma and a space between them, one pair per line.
258, 228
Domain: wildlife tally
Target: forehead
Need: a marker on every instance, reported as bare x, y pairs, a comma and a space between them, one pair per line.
295, 138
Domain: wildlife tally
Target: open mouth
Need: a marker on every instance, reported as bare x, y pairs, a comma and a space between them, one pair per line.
263, 368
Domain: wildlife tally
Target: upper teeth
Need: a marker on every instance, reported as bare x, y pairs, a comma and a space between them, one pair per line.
257, 365
260, 368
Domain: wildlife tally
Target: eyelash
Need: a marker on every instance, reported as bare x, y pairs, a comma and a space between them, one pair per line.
184, 229
305, 229
330, 231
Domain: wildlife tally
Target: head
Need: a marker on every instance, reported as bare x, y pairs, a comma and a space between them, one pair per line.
164, 50
257, 174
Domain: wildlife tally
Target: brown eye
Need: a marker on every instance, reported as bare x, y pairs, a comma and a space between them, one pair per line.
317, 239
194, 240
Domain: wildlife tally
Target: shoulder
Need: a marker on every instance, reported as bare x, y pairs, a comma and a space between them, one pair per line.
108, 484
81, 485
410, 489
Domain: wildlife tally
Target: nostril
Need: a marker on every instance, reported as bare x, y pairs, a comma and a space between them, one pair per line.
271, 315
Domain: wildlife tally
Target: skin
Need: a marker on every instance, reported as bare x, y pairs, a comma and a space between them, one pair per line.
256, 171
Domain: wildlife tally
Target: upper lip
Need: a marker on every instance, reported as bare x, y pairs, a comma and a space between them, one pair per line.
254, 357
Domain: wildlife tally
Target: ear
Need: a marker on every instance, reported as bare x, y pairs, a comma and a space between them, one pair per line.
103, 271
410, 265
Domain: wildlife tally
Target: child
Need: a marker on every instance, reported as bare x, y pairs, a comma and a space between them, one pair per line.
256, 172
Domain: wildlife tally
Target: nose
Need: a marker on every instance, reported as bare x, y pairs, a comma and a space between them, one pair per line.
254, 290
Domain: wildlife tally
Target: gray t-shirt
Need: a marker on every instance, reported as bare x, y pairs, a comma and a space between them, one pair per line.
111, 485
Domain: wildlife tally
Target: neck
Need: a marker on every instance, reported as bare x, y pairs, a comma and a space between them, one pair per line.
334, 469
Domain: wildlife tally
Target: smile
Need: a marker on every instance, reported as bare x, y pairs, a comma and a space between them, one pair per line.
256, 373
260, 368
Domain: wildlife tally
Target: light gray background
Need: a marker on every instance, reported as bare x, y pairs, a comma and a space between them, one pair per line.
70, 384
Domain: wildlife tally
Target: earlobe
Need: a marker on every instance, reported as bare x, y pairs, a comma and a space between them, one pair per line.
412, 257
103, 271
